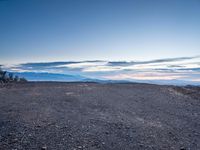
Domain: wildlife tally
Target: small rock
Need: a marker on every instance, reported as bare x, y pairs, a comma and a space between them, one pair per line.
141, 145
106, 132
79, 147
44, 148
15, 140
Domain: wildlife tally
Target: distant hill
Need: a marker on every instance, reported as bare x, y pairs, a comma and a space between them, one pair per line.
32, 76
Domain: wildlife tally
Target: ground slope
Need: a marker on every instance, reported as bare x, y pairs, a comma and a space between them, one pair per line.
70, 116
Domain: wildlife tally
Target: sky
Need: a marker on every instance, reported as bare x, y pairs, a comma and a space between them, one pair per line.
154, 40
113, 30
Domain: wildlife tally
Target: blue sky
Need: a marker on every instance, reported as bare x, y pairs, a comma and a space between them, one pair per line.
103, 39
113, 30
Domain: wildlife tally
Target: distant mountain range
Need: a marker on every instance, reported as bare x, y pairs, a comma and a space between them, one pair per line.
33, 76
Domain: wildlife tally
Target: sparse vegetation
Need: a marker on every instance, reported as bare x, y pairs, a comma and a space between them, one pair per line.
6, 77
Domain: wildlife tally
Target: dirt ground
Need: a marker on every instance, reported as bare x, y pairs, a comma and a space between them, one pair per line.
91, 116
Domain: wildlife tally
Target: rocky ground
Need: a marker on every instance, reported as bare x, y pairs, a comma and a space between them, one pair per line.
91, 116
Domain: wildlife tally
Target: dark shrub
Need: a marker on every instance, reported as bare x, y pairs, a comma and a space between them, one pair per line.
9, 77
16, 79
23, 80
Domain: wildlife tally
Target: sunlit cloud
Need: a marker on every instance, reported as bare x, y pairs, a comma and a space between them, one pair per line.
83, 64
196, 80
101, 69
183, 68
144, 76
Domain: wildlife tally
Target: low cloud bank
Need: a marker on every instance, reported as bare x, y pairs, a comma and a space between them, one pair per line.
185, 69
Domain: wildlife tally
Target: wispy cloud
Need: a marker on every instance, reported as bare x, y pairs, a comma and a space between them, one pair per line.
182, 68
124, 63
145, 76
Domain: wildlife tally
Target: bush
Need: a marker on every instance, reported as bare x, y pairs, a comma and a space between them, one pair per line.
16, 79
3, 77
9, 77
23, 80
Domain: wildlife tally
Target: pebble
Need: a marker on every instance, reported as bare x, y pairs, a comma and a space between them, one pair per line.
106, 132
44, 148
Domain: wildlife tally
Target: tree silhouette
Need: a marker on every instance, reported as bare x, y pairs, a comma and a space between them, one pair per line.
9, 77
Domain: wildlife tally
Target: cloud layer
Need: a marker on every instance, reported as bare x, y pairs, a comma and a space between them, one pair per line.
182, 68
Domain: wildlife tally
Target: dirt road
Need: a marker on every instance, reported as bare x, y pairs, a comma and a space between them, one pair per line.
73, 116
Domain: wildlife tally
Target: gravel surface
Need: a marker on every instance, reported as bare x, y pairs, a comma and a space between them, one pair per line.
91, 116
